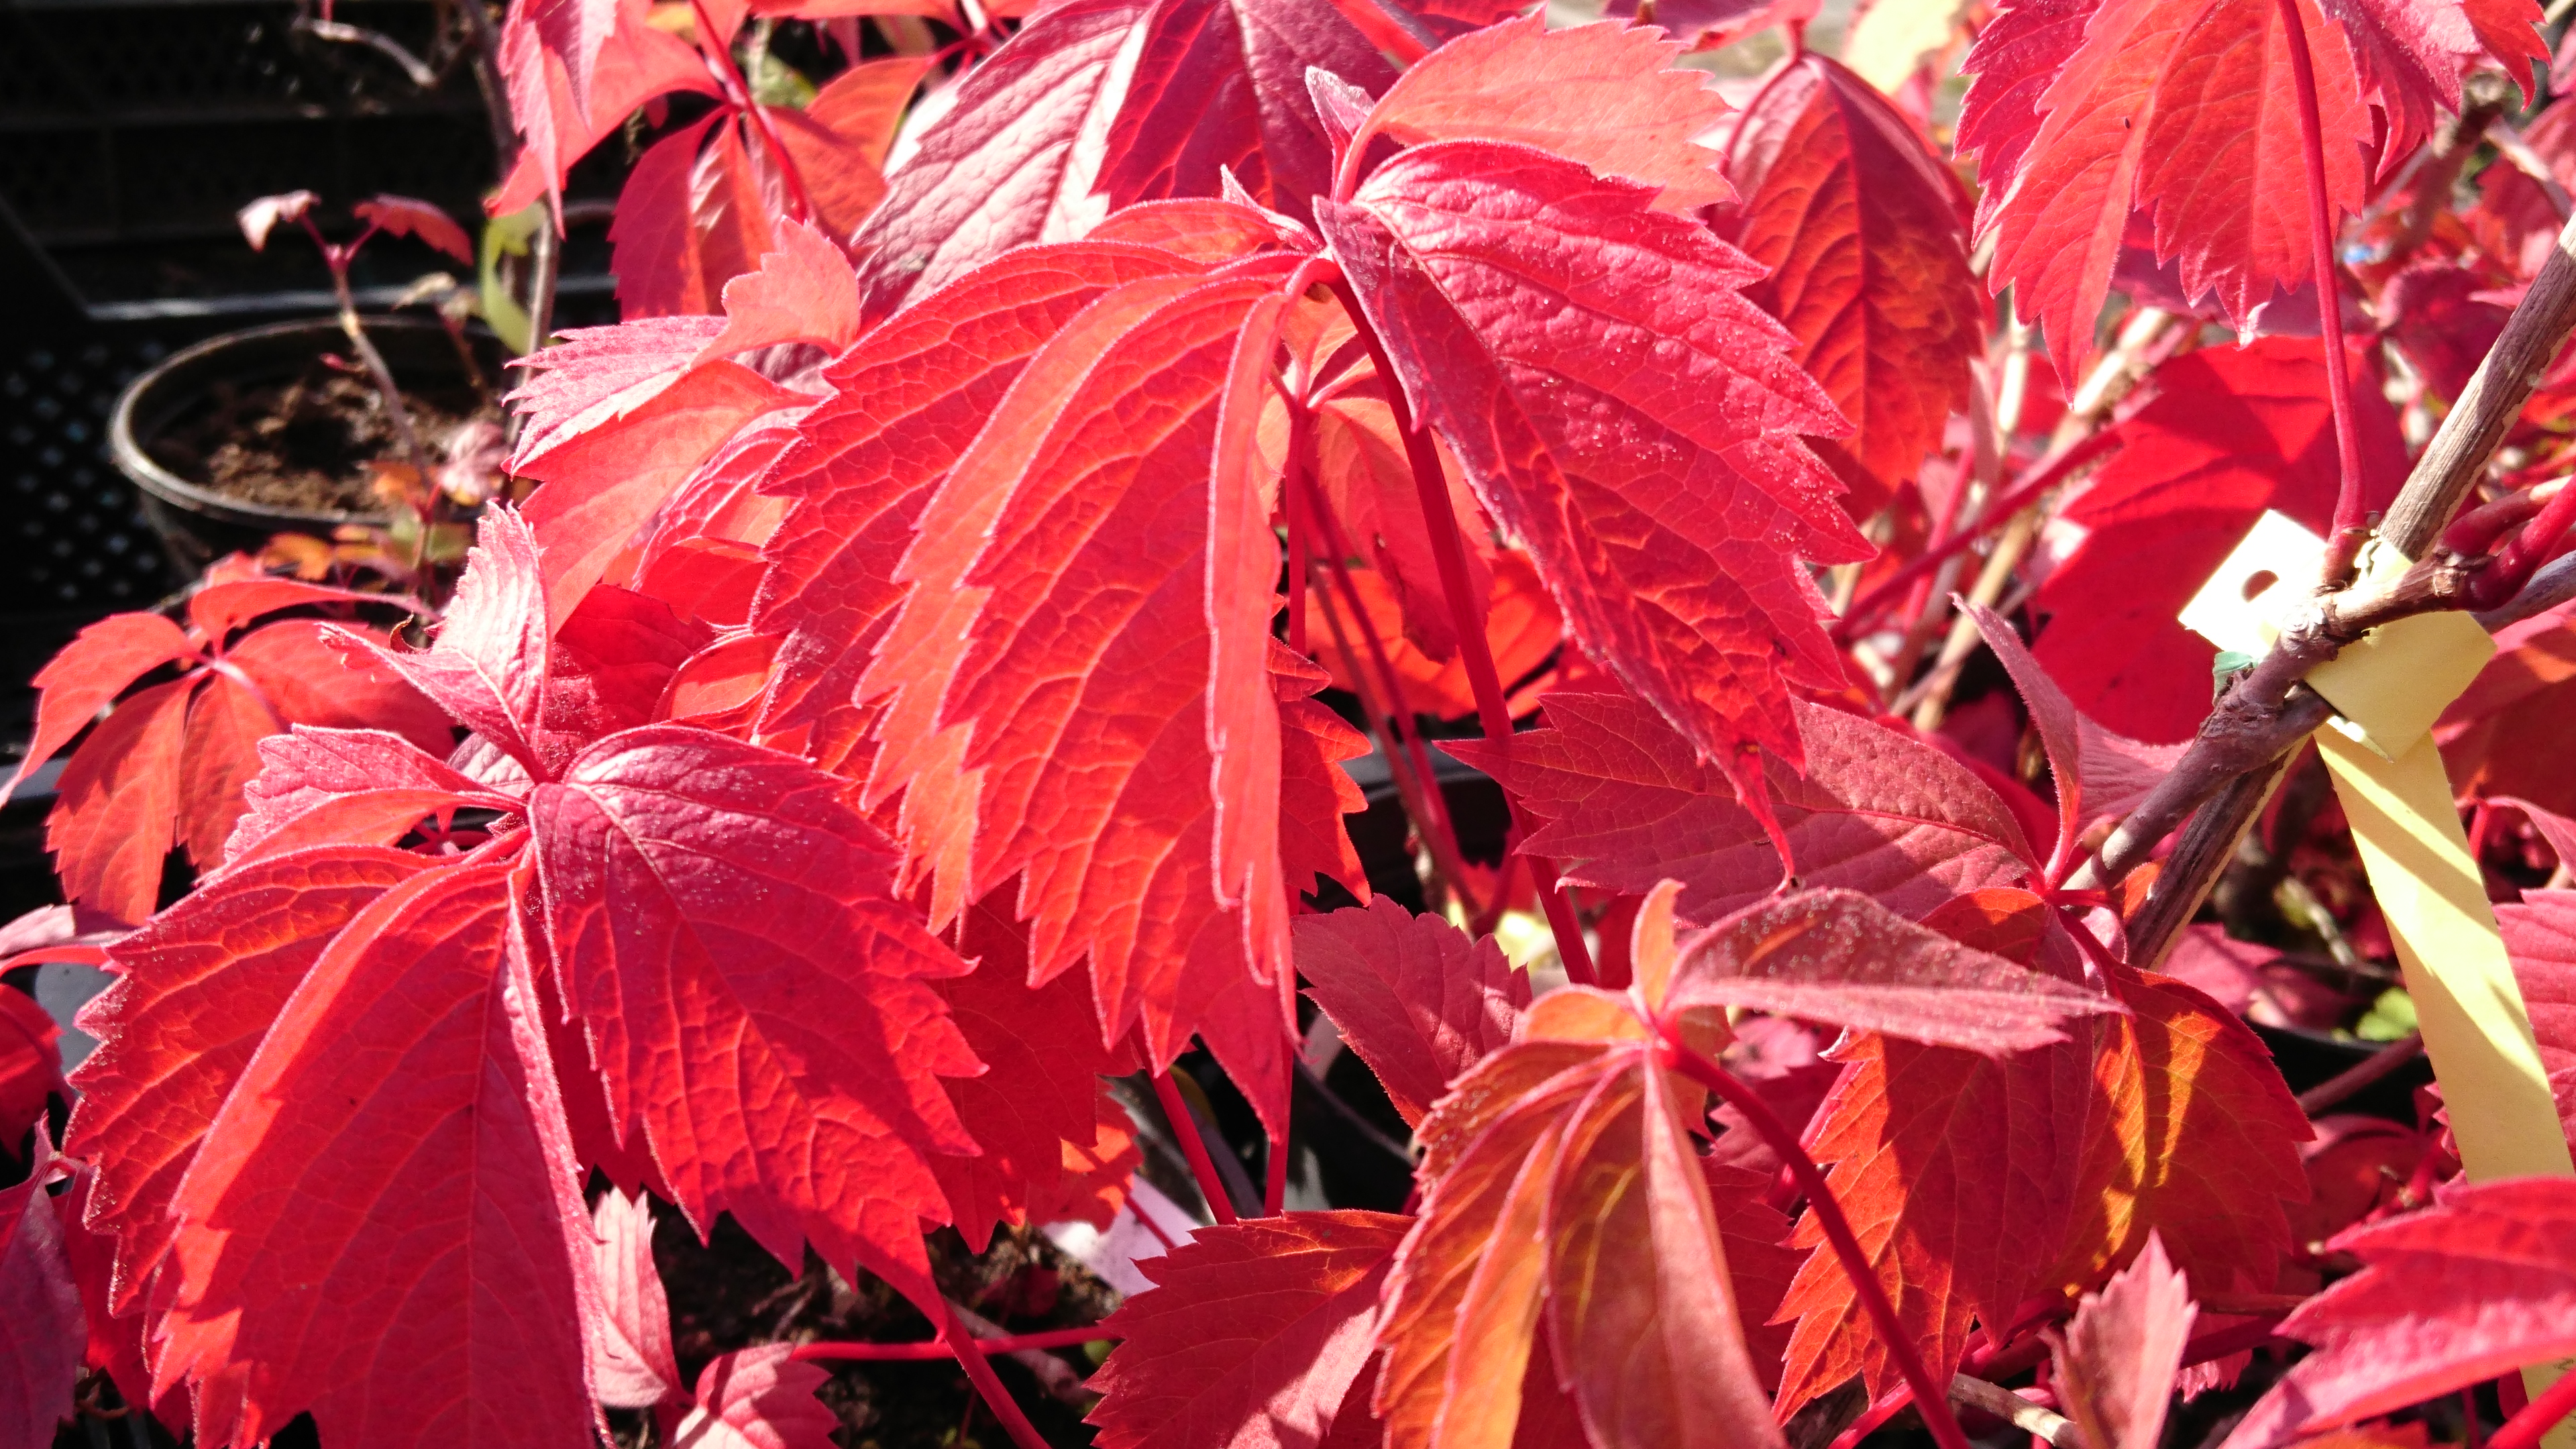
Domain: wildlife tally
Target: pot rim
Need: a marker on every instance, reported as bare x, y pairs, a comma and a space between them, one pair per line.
134, 462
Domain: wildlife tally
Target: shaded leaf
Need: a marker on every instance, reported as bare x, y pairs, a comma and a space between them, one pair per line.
1413, 995
2117, 1359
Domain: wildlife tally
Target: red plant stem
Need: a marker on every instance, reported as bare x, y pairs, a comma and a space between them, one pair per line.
2303, 72
1449, 551
1930, 1396
1186, 1127
1421, 801
2046, 475
2515, 563
730, 76
1337, 554
939, 1347
1023, 1434
1299, 546
1274, 1172
2538, 1417
1872, 1418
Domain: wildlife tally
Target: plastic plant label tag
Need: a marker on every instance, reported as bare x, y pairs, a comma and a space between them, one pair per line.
2390, 685
2388, 774
2238, 608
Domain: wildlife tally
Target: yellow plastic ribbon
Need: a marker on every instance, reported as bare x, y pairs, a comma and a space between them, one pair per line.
2388, 689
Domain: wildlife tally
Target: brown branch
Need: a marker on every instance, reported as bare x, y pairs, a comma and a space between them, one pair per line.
2342, 1085
2245, 744
2017, 1411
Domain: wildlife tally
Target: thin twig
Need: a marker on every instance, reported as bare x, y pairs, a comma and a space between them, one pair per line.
1185, 1130
1023, 1434
2234, 785
343, 33
2334, 1090
2017, 1411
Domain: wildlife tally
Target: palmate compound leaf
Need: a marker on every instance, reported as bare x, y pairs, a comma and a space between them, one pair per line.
1251, 1336
1976, 1185
452, 1241
1624, 804
2186, 110
1097, 104
1862, 232
756, 995
2478, 1285
1089, 618
2117, 1358
1417, 998
905, 403
1667, 506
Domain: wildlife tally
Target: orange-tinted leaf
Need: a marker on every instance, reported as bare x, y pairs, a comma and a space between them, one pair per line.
1862, 232
91, 672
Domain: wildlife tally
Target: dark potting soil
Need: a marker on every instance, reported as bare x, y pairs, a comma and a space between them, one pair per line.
306, 442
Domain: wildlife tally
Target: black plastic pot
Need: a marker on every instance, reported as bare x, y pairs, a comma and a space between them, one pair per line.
198, 524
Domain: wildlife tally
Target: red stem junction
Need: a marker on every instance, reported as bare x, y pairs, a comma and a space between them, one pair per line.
2303, 73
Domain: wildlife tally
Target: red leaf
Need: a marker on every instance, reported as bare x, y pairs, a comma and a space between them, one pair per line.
1204, 229
1626, 805
403, 216
1109, 519
1607, 96
1041, 1076
702, 897
311, 676
1315, 792
2229, 433
2097, 772
487, 665
1758, 1264
1838, 957
1860, 228
345, 787
630, 1348
1521, 628
1222, 84
604, 484
2116, 1362
1360, 464
653, 239
31, 1065
759, 1398
638, 63
906, 402
1419, 1001
2185, 110
1974, 1185
1002, 167
803, 292
598, 372
197, 988
1213, 83
2479, 1285
434, 1160
1641, 1313
116, 815
1250, 1336
41, 1330
613, 661
226, 722
2540, 934
90, 673
1479, 263
217, 609
838, 142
